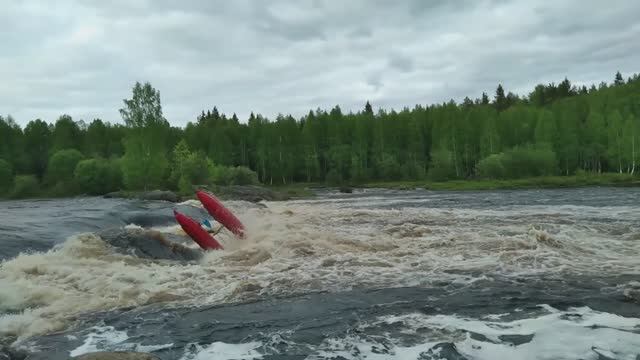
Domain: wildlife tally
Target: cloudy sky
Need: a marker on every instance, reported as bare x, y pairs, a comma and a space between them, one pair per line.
82, 57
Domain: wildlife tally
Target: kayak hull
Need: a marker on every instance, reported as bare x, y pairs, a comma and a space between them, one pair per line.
196, 232
220, 213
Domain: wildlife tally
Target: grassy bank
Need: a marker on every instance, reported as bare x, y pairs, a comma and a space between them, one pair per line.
305, 190
527, 183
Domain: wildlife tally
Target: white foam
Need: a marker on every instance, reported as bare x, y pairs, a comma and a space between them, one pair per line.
133, 227
557, 334
356, 349
107, 338
103, 338
170, 229
575, 334
192, 202
223, 351
578, 333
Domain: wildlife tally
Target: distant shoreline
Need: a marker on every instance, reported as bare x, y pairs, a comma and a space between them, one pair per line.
305, 190
547, 182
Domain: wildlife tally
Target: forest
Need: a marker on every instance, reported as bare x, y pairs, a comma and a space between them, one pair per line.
556, 129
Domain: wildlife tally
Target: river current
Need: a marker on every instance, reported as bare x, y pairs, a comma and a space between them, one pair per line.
377, 274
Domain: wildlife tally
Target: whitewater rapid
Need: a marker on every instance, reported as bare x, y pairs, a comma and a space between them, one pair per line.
341, 243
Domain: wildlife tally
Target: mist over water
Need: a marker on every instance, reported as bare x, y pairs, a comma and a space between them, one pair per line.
377, 274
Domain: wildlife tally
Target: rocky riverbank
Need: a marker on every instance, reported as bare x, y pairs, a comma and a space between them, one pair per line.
251, 193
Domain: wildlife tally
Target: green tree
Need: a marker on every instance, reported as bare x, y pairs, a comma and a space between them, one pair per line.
97, 140
37, 135
98, 176
181, 154
311, 147
490, 138
12, 145
630, 143
25, 186
415, 149
595, 142
368, 110
390, 169
62, 165
492, 167
485, 98
546, 132
615, 132
358, 172
195, 168
500, 101
618, 80
6, 177
529, 161
538, 97
568, 123
242, 175
442, 166
334, 178
143, 109
66, 134
145, 160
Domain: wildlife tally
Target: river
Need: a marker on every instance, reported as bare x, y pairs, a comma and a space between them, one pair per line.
377, 274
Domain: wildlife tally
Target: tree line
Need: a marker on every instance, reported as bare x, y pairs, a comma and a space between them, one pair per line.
556, 129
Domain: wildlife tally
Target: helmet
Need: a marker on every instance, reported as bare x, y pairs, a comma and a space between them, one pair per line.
206, 223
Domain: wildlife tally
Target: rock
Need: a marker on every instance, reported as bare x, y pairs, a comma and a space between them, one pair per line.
148, 244
632, 294
346, 190
113, 194
148, 218
517, 339
251, 193
155, 195
116, 355
442, 351
7, 353
159, 195
601, 354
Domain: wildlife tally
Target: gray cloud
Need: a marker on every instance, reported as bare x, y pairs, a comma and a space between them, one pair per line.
82, 57
401, 62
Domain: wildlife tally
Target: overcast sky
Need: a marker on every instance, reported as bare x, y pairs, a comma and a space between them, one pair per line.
82, 57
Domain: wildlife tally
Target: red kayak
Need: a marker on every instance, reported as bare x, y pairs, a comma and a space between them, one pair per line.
220, 213
196, 232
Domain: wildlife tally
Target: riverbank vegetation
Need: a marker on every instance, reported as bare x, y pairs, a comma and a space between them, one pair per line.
556, 135
580, 180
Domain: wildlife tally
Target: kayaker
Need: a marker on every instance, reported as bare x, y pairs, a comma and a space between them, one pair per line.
206, 224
